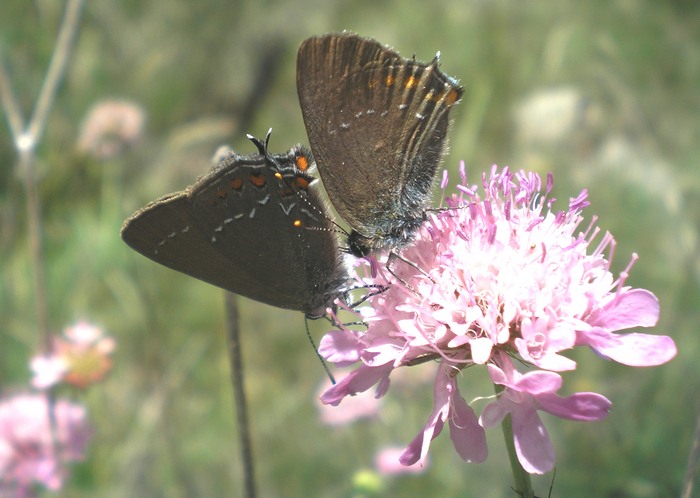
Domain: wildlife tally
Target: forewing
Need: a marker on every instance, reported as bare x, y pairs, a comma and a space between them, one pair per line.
235, 228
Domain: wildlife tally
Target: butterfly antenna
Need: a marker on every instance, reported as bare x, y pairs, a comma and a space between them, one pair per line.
313, 345
262, 146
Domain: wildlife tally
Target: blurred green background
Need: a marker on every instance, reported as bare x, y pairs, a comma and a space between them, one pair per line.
603, 94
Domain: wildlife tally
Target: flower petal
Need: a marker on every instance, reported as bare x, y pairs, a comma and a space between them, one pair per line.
584, 407
532, 444
340, 347
387, 462
358, 380
630, 308
493, 414
538, 382
635, 350
418, 448
468, 437
481, 349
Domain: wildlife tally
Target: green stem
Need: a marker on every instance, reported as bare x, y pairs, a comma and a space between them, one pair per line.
239, 395
26, 142
522, 483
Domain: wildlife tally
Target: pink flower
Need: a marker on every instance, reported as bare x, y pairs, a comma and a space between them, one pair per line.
110, 127
27, 453
489, 278
80, 358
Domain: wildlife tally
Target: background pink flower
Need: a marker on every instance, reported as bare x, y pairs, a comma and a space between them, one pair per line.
80, 358
27, 453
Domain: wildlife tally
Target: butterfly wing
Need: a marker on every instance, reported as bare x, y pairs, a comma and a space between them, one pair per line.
377, 125
254, 226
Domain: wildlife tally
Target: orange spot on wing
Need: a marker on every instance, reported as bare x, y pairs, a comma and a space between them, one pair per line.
258, 179
236, 184
301, 182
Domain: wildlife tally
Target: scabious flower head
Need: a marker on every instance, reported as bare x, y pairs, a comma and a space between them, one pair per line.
110, 127
29, 455
495, 276
80, 358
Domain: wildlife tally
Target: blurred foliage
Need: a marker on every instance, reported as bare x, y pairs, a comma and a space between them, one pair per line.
208, 72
